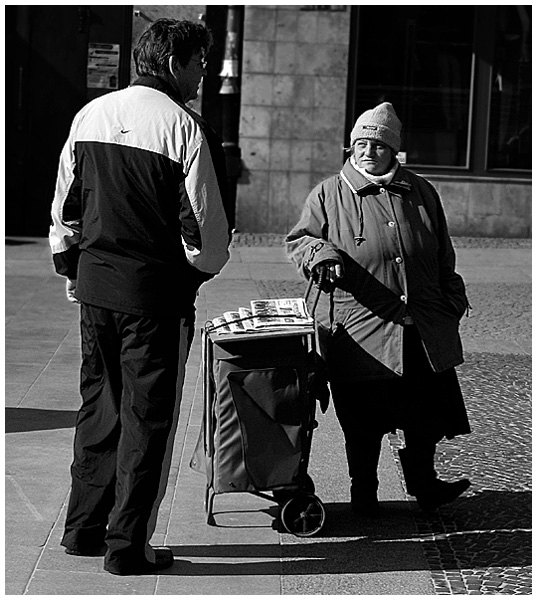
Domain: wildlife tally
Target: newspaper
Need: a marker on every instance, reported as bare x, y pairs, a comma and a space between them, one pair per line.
264, 314
278, 312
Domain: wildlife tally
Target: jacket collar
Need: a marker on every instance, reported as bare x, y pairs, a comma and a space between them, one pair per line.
157, 83
362, 186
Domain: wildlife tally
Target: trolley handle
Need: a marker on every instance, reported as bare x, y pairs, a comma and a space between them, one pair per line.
318, 284
318, 381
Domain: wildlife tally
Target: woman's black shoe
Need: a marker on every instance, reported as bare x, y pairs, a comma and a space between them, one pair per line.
441, 492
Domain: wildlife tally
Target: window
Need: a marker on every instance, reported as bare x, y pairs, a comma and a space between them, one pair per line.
420, 58
510, 97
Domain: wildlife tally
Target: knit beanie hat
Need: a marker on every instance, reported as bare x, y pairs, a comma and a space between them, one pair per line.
379, 123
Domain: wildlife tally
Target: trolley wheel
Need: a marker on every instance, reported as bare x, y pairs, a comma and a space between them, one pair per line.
303, 515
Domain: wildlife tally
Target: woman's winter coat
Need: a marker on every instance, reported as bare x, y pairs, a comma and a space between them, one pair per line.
399, 266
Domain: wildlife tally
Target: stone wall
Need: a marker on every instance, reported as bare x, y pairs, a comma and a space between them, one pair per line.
293, 103
486, 207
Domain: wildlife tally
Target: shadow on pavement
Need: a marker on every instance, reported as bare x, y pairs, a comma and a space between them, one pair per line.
17, 242
37, 419
496, 533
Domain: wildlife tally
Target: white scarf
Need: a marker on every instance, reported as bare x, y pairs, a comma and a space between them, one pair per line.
377, 179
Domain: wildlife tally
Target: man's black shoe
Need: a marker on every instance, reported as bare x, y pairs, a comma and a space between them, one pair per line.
88, 551
163, 560
441, 492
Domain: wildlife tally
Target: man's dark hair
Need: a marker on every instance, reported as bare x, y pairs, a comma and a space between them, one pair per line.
167, 37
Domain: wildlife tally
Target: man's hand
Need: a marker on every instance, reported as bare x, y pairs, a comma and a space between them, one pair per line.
70, 289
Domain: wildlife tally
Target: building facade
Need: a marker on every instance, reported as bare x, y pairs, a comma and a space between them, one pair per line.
459, 77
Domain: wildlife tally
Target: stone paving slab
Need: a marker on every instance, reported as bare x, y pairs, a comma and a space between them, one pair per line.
480, 544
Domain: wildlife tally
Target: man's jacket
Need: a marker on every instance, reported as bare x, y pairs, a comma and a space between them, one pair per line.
138, 215
398, 263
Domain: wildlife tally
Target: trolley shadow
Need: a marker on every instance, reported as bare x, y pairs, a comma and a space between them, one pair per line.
492, 536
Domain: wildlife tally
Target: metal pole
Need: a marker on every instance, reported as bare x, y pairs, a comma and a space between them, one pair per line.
230, 93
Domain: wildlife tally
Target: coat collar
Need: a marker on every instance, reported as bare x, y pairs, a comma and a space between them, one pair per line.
157, 83
362, 186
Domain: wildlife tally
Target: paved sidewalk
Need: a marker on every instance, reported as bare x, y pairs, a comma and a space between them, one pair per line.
244, 554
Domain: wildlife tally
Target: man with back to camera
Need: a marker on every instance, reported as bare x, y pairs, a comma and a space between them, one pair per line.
138, 224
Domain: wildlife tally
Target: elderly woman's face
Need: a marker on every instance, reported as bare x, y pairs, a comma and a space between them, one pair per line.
373, 156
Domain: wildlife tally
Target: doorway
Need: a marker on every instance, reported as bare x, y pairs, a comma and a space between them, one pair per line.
47, 82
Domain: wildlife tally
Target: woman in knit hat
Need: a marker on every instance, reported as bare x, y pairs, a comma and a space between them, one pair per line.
389, 316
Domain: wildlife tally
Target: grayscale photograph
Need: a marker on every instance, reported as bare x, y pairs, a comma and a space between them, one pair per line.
268, 300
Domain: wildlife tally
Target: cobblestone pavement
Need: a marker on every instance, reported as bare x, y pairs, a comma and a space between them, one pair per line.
481, 544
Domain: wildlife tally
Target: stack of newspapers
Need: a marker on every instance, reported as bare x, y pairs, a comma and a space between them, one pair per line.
263, 315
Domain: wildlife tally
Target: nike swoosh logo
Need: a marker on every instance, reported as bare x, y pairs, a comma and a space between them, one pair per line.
125, 130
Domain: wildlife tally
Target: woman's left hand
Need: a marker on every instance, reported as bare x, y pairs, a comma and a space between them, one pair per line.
326, 273
333, 271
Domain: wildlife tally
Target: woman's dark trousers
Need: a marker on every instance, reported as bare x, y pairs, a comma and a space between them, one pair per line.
363, 444
128, 386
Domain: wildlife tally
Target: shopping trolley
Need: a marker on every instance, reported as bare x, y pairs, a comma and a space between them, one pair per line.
259, 417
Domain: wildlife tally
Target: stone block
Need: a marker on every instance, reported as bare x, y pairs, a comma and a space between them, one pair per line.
333, 28
327, 157
257, 89
281, 123
330, 92
484, 199
280, 155
286, 25
258, 57
293, 90
284, 90
307, 26
299, 188
259, 23
302, 126
516, 200
285, 61
255, 153
252, 201
328, 124
454, 196
304, 91
278, 200
314, 59
300, 155
255, 121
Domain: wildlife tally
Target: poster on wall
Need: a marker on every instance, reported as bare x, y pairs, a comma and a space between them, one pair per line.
103, 66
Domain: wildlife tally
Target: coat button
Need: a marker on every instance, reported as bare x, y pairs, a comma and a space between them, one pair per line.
403, 298
391, 223
382, 190
399, 260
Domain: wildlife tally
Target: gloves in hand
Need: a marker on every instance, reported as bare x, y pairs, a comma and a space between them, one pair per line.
326, 273
70, 289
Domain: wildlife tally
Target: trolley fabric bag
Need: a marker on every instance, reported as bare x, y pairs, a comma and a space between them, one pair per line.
261, 414
258, 423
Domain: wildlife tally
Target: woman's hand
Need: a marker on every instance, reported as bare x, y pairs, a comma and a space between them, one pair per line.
326, 274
